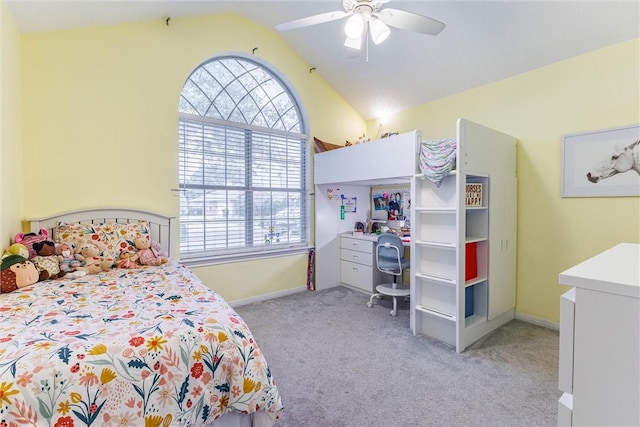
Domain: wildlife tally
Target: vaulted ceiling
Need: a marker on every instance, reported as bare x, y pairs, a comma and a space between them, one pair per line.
484, 41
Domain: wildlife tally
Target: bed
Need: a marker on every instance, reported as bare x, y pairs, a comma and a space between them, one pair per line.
148, 346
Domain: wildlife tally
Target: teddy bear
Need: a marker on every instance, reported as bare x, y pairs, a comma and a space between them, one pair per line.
149, 252
68, 263
126, 261
88, 253
17, 272
46, 260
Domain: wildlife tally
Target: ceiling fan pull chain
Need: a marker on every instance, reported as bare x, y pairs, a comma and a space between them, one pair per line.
366, 38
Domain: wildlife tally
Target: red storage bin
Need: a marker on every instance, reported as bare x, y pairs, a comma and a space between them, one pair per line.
471, 261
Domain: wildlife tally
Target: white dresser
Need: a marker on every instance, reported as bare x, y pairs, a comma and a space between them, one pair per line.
599, 365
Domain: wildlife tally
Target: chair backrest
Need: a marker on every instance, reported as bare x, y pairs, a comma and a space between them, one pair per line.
389, 253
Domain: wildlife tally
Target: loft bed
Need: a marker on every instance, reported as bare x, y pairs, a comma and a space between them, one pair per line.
382, 161
150, 345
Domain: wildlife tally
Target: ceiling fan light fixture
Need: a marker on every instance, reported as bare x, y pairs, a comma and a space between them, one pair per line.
353, 42
379, 30
354, 26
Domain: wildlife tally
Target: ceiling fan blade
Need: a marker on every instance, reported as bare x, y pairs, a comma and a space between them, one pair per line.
410, 21
312, 20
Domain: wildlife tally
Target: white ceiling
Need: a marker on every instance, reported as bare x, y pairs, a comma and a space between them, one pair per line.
483, 41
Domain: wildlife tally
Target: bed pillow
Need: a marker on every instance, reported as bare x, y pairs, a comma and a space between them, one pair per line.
117, 237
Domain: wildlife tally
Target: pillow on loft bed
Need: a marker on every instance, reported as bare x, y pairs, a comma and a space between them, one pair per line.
437, 159
117, 236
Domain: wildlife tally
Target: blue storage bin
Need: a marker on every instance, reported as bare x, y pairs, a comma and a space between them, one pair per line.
468, 301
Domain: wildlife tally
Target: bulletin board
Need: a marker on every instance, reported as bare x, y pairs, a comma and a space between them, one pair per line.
391, 203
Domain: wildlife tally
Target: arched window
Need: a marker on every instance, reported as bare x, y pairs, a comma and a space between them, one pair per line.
243, 162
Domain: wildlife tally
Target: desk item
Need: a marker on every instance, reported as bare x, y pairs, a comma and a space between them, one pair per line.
389, 260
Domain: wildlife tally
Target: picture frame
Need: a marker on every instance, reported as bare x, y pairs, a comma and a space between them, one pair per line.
602, 163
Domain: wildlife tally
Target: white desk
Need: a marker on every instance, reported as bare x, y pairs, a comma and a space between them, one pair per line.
373, 237
599, 369
358, 262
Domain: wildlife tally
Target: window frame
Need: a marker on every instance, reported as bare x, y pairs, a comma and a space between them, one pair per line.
255, 252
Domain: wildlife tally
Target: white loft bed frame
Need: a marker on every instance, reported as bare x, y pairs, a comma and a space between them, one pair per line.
160, 225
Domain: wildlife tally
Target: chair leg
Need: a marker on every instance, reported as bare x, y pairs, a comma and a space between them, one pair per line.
370, 303
394, 312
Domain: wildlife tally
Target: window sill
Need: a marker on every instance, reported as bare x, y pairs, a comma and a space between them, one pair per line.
227, 259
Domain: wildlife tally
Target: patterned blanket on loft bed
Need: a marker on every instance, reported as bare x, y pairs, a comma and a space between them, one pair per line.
142, 347
437, 159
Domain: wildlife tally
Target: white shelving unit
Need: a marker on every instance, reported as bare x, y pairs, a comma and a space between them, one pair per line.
442, 226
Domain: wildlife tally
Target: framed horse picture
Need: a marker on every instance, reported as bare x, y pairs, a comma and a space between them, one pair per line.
603, 163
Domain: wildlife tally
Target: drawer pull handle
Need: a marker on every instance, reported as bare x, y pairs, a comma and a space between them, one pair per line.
355, 268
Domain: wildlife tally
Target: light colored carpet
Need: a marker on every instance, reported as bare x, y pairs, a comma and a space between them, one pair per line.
339, 363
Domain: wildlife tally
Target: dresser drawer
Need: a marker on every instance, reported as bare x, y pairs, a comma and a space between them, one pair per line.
358, 257
357, 275
357, 245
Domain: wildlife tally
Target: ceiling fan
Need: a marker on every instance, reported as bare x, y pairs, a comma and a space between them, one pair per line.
369, 18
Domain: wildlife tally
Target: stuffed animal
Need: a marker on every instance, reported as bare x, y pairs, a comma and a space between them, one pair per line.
148, 252
17, 249
30, 238
46, 260
66, 258
126, 261
88, 253
68, 263
17, 272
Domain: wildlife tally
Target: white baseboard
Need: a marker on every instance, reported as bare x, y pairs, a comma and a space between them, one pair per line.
538, 321
265, 297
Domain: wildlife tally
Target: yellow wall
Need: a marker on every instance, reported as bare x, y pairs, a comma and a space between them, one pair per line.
10, 131
100, 108
598, 90
95, 101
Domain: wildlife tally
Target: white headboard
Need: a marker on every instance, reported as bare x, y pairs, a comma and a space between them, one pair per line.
160, 224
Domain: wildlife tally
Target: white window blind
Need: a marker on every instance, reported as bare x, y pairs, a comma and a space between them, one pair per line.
243, 186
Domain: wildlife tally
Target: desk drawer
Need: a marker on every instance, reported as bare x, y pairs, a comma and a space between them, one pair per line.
356, 245
358, 275
358, 257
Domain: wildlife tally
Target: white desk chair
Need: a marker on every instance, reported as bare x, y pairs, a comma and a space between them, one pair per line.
389, 260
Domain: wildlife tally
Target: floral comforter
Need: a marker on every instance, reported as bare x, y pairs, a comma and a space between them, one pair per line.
140, 347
